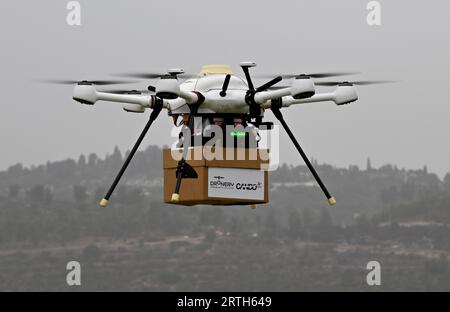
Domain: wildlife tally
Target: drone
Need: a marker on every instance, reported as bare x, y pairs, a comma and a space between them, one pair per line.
216, 93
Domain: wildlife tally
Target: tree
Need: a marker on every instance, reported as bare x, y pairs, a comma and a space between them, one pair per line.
325, 218
82, 161
80, 194
294, 223
369, 164
13, 191
40, 194
270, 224
447, 181
211, 216
16, 170
115, 160
210, 235
363, 222
92, 160
389, 194
307, 217
91, 253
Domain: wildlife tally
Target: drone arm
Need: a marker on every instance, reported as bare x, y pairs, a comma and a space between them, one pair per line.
321, 97
144, 100
190, 97
148, 100
262, 97
87, 94
342, 95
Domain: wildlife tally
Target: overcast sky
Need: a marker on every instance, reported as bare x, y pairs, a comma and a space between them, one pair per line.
405, 123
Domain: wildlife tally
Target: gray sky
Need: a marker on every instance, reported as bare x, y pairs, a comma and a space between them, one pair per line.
404, 124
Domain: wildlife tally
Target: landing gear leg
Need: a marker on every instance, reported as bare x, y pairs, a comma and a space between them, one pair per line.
276, 105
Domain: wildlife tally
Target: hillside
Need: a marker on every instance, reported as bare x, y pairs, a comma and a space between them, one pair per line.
366, 191
49, 215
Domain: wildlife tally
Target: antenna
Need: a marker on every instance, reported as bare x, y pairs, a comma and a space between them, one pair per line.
226, 82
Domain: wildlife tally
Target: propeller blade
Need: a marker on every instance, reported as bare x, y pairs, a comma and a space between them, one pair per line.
153, 75
121, 91
312, 75
358, 83
278, 87
63, 82
124, 91
109, 82
368, 82
333, 74
141, 75
95, 82
269, 84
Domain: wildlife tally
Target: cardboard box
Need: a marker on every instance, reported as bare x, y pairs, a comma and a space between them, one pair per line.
240, 180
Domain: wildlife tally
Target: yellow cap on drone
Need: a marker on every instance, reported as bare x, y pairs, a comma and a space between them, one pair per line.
216, 69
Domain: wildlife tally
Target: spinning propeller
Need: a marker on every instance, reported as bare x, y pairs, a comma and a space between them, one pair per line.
342, 83
177, 73
123, 91
93, 82
311, 75
351, 83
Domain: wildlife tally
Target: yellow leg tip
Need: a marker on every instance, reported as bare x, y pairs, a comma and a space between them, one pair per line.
175, 198
104, 202
332, 201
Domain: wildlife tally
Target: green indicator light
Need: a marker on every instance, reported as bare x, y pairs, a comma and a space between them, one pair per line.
238, 133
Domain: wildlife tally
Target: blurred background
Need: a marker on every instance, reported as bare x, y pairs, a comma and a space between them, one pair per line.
385, 157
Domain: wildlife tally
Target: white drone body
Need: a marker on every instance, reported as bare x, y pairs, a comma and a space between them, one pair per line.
217, 92
206, 90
